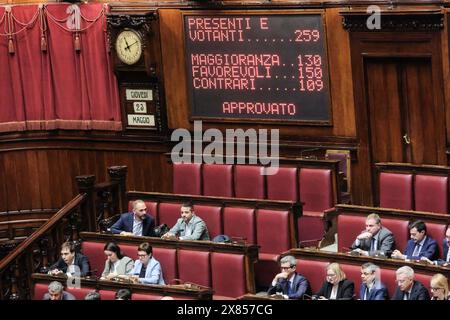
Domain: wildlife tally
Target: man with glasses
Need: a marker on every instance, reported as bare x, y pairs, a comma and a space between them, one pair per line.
375, 239
408, 288
288, 282
136, 223
371, 287
147, 269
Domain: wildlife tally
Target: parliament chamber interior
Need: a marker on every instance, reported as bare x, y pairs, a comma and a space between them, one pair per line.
270, 144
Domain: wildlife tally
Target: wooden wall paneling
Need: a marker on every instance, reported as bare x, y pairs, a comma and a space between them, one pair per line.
23, 179
12, 181
3, 185
65, 176
341, 86
56, 183
34, 179
99, 159
172, 47
446, 74
44, 178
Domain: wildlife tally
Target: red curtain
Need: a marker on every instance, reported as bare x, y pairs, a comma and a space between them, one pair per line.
59, 88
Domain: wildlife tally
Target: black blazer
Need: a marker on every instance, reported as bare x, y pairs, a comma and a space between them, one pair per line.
81, 261
418, 292
125, 223
346, 290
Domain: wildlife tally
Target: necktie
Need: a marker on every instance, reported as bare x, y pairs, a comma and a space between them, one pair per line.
289, 287
143, 270
416, 250
372, 244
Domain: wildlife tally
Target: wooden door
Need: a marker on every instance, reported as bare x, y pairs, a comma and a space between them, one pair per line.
405, 121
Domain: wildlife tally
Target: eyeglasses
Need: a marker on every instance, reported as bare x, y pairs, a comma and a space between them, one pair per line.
142, 255
435, 289
286, 268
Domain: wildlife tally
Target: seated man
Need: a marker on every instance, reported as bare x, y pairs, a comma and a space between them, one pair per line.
56, 292
420, 246
71, 263
408, 288
147, 269
136, 223
290, 283
188, 227
375, 239
371, 287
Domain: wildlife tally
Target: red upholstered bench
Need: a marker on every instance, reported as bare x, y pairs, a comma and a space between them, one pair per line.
146, 296
396, 190
168, 260
249, 182
431, 193
79, 293
107, 294
194, 266
240, 223
169, 213
228, 275
316, 192
212, 215
217, 180
187, 178
348, 227
273, 237
94, 252
40, 289
283, 185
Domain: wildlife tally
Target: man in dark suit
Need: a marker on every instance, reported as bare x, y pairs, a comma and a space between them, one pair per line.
445, 261
56, 292
288, 282
71, 263
371, 287
375, 239
420, 246
408, 288
136, 223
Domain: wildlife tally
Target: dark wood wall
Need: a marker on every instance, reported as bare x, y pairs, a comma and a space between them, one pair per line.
40, 174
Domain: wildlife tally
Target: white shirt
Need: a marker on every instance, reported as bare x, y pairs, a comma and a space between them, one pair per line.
334, 291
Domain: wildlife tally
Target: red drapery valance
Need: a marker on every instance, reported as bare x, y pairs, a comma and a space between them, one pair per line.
45, 83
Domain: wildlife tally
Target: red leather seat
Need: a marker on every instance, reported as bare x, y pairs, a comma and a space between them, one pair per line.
79, 293
187, 178
146, 296
129, 250
431, 193
94, 252
272, 243
228, 275
108, 294
40, 289
168, 260
437, 232
348, 227
249, 182
314, 271
283, 185
217, 180
396, 191
388, 278
400, 230
425, 279
353, 273
194, 266
239, 223
152, 209
212, 215
316, 192
169, 213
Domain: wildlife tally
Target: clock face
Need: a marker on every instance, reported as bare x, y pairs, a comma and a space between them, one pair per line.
129, 46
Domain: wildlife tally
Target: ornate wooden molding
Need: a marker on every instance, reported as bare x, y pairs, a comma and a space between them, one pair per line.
395, 21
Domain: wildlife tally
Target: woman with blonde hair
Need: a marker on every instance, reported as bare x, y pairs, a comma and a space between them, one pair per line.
439, 287
336, 285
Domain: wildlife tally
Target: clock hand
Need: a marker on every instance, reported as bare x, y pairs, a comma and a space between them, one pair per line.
128, 46
133, 44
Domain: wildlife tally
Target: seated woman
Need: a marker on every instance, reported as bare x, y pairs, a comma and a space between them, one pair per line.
336, 286
147, 269
116, 264
439, 287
